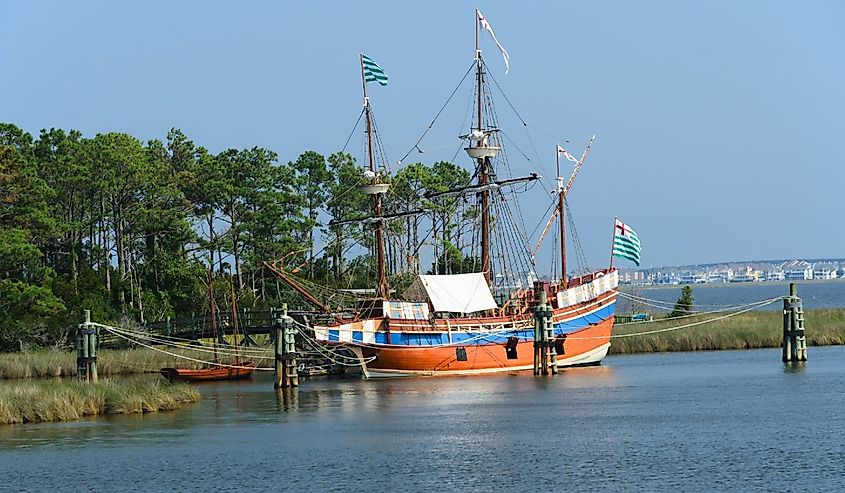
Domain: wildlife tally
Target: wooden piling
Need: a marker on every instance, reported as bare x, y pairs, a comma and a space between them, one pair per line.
87, 340
545, 359
794, 338
291, 375
277, 348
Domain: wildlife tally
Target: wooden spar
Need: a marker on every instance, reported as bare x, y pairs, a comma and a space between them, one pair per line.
296, 287
381, 288
384, 217
478, 188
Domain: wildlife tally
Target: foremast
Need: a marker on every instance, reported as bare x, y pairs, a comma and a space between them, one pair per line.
377, 191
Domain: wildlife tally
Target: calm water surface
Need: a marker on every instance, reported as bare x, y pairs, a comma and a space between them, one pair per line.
814, 294
714, 421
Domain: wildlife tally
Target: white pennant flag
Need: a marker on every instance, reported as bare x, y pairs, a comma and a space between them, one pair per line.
486, 25
565, 154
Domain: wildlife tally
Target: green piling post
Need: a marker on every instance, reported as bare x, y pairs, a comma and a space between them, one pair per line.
82, 360
794, 338
291, 376
277, 349
81, 349
93, 342
538, 327
543, 333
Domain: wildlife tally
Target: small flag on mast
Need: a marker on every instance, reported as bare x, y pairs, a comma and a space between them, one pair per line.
566, 154
486, 25
372, 71
626, 243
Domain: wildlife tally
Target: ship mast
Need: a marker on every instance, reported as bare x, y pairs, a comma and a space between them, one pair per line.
381, 286
560, 212
483, 163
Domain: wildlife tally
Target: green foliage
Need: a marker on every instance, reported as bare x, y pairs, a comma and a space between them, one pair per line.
133, 230
684, 304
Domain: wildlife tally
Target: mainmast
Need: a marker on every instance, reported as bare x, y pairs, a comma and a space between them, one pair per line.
381, 286
483, 160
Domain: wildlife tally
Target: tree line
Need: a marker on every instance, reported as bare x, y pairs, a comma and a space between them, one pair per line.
138, 231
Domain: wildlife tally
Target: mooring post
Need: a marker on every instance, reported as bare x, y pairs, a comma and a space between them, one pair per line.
794, 339
289, 347
550, 337
277, 348
82, 348
538, 326
543, 333
93, 342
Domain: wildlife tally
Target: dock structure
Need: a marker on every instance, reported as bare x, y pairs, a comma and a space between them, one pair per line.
545, 354
285, 366
794, 339
87, 340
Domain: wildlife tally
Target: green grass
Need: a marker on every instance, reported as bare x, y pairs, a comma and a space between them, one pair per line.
33, 401
37, 364
758, 329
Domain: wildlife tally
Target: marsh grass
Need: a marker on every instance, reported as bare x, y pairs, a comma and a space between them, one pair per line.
39, 364
759, 329
33, 401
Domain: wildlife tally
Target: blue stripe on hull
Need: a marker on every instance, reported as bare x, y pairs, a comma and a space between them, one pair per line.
421, 339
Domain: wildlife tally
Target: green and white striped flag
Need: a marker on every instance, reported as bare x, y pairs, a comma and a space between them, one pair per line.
626, 243
372, 71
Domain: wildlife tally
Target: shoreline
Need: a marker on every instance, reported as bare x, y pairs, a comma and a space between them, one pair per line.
627, 287
40, 400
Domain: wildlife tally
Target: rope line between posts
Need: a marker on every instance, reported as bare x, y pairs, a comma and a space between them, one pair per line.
176, 355
693, 324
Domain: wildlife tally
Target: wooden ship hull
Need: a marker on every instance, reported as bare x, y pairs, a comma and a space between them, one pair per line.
394, 347
244, 370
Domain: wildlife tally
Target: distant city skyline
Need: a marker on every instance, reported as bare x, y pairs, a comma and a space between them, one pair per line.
718, 125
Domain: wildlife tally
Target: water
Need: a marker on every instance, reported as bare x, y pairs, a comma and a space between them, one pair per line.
723, 421
814, 295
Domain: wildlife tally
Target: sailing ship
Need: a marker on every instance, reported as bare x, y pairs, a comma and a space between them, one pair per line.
469, 322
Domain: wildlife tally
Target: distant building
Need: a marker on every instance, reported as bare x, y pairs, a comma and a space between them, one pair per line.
749, 274
825, 270
797, 270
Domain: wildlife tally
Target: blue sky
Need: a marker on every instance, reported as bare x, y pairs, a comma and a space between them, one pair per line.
719, 124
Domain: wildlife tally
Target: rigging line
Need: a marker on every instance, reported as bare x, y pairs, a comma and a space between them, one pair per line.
543, 218
490, 75
353, 130
513, 239
521, 233
581, 258
176, 355
202, 349
701, 322
667, 304
635, 297
699, 314
430, 125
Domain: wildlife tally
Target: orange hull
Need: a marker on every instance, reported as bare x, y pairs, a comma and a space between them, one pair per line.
585, 346
209, 374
